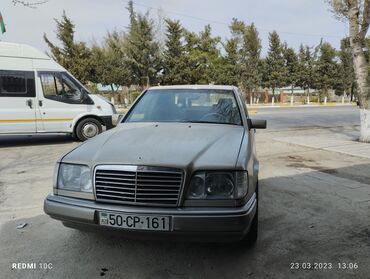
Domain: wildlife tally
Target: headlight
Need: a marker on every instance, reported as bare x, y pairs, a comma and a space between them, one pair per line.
218, 185
197, 187
74, 178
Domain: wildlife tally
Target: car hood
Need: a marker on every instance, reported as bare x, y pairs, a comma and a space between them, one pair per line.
178, 145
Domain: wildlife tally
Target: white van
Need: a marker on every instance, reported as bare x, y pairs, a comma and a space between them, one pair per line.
37, 95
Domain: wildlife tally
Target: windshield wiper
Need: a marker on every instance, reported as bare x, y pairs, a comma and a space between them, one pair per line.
209, 122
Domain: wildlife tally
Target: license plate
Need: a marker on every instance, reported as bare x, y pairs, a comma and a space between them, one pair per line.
134, 222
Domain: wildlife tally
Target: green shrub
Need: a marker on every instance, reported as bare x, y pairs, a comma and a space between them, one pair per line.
134, 95
314, 99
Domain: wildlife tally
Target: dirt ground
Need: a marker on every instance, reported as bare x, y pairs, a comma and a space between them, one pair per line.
314, 212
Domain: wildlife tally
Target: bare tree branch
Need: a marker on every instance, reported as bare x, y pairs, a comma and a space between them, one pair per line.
29, 4
339, 8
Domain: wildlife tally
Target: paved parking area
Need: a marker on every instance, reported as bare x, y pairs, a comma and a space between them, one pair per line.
313, 209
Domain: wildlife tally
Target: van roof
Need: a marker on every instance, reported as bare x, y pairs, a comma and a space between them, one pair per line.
21, 51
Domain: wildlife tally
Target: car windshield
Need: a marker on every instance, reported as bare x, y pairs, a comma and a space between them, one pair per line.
187, 105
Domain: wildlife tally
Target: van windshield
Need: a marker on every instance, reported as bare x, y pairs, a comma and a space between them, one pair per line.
187, 105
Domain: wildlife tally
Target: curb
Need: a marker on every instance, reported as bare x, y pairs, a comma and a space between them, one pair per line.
299, 106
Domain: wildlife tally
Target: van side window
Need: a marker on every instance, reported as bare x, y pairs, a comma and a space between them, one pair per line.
59, 87
17, 84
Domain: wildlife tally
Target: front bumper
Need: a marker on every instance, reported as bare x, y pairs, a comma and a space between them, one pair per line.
107, 120
196, 223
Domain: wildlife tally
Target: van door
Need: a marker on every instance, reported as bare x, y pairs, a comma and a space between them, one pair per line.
17, 102
61, 100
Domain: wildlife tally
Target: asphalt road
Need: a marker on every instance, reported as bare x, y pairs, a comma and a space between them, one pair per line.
310, 213
305, 117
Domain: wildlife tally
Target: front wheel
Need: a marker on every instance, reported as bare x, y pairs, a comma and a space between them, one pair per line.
88, 128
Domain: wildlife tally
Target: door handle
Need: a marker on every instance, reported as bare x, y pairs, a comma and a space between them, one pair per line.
40, 103
29, 103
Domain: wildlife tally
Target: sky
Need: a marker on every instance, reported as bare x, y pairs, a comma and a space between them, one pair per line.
296, 21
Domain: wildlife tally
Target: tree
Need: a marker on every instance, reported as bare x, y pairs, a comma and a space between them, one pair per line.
346, 82
250, 75
110, 63
367, 54
326, 68
203, 57
74, 56
274, 72
243, 56
292, 66
306, 68
357, 13
208, 54
142, 50
190, 71
229, 72
174, 58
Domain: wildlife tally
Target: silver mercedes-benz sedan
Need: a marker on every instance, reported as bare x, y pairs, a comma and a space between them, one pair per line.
181, 163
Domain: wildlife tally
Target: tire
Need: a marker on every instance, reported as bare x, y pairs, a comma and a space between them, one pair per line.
88, 128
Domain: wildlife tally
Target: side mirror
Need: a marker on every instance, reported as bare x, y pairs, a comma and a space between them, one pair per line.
257, 124
116, 119
85, 94
85, 98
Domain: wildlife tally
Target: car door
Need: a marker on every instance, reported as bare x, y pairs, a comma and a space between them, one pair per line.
17, 102
60, 101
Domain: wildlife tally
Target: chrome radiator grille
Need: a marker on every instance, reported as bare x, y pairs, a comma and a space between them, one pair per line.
138, 185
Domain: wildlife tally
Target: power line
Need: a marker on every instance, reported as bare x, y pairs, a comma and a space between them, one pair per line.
180, 14
227, 24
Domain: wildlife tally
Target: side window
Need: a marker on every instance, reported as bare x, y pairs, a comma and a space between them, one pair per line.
59, 87
51, 86
17, 84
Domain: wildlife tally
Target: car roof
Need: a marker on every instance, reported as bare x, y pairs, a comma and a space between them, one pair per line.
21, 51
192, 87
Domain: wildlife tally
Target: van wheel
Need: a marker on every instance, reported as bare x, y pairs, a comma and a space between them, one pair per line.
88, 128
